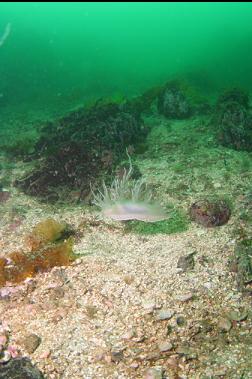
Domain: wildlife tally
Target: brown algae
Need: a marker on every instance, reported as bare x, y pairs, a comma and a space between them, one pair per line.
44, 253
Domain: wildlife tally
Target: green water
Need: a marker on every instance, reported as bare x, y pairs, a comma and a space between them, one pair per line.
64, 52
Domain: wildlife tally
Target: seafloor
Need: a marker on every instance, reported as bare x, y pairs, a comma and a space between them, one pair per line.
126, 306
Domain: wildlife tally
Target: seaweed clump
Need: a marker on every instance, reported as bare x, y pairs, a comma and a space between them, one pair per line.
46, 249
78, 148
233, 120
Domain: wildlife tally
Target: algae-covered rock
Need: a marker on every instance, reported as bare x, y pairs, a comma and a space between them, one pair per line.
178, 100
210, 213
20, 368
233, 120
173, 102
74, 150
242, 263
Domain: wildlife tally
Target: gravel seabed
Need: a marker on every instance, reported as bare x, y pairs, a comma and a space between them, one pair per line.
99, 317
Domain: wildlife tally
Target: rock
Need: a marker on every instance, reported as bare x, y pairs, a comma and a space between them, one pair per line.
57, 293
3, 339
139, 338
224, 325
164, 314
210, 213
185, 297
173, 102
237, 316
187, 352
164, 346
5, 357
31, 342
242, 261
153, 356
181, 321
134, 365
131, 333
117, 356
154, 373
46, 354
20, 368
4, 196
149, 306
74, 155
186, 262
232, 120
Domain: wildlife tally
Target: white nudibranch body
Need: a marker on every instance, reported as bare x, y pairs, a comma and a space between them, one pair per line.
130, 210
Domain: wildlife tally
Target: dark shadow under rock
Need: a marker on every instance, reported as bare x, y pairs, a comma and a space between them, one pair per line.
20, 368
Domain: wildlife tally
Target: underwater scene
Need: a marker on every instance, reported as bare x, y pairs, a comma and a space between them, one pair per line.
125, 190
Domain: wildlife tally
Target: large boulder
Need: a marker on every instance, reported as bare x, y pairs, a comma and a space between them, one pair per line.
233, 120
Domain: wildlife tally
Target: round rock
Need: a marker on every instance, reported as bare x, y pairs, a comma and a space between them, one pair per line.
164, 346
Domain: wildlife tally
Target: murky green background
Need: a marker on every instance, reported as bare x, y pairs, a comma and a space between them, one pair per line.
64, 52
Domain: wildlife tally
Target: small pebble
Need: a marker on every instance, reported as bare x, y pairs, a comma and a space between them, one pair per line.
77, 262
3, 340
164, 314
225, 325
6, 357
45, 354
186, 352
237, 316
134, 365
164, 346
186, 262
149, 306
129, 334
154, 373
116, 356
185, 297
181, 321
